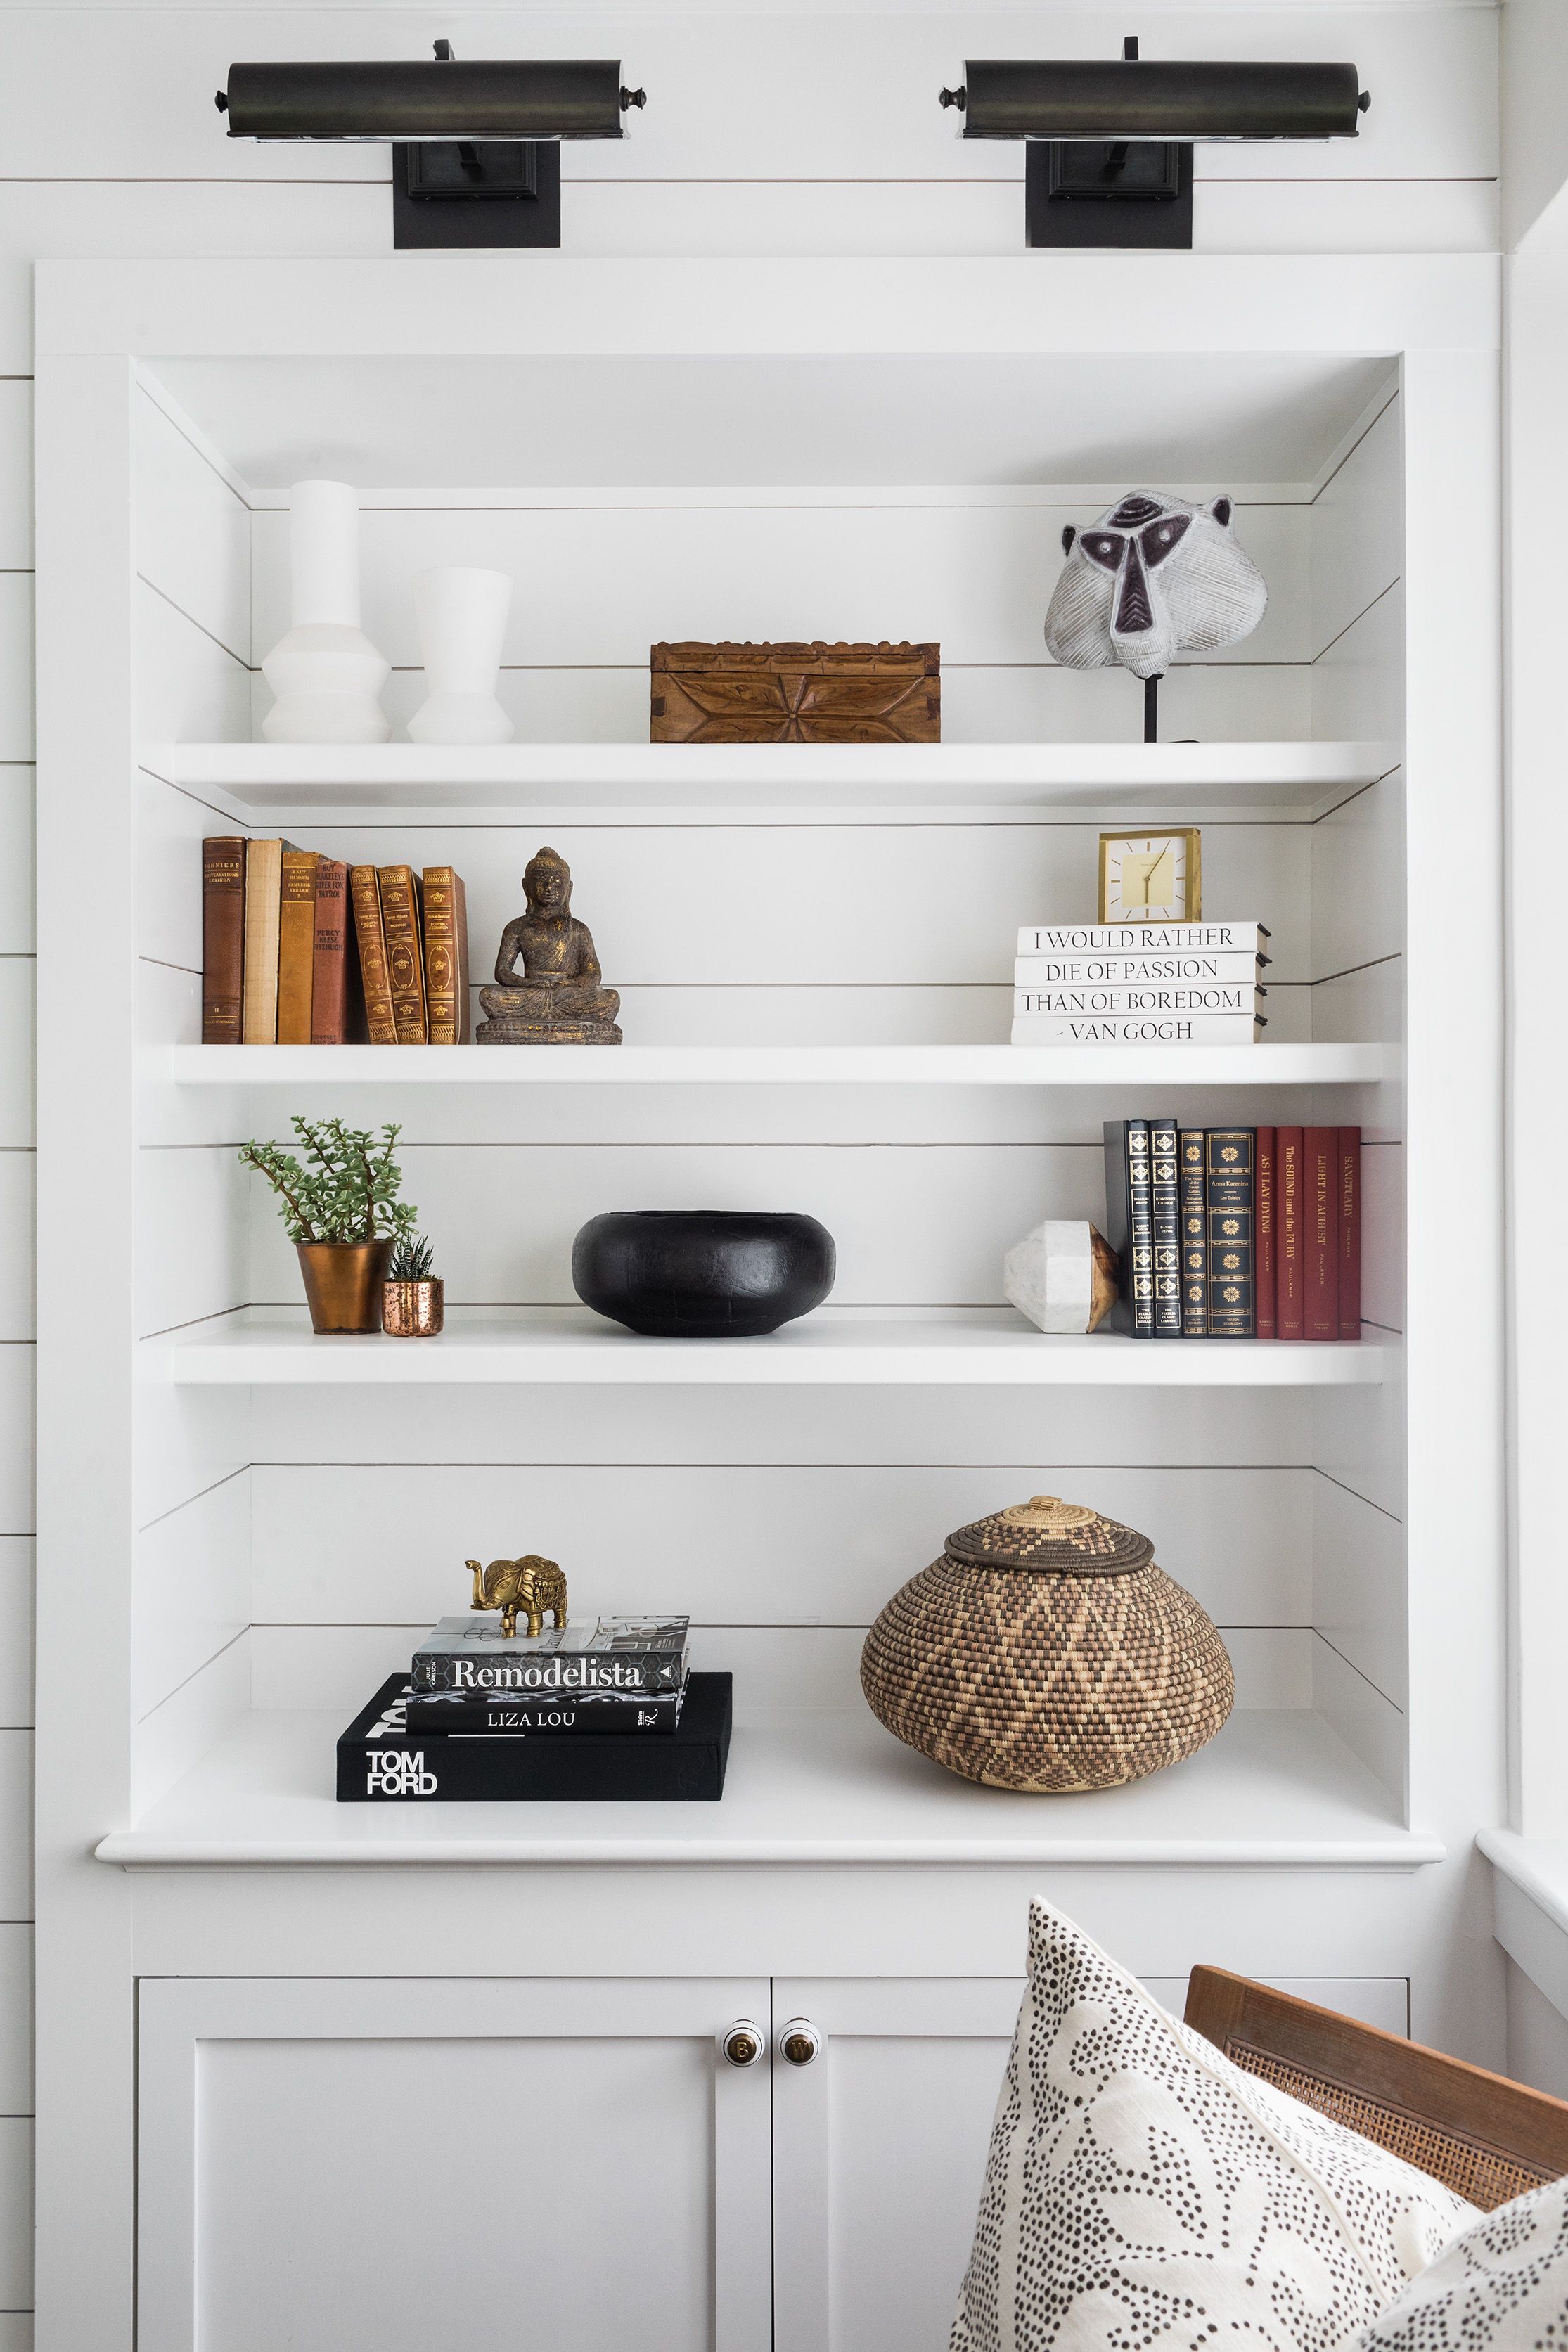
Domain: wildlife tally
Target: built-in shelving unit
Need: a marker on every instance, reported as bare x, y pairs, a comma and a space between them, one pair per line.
837, 1347
244, 1528
814, 944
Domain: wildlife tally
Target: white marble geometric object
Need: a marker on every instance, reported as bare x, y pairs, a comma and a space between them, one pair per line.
1061, 1276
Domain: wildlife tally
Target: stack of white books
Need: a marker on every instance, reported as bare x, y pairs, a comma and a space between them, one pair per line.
1140, 984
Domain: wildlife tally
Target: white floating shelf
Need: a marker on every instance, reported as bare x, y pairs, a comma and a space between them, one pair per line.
779, 1065
267, 776
1275, 1787
273, 1347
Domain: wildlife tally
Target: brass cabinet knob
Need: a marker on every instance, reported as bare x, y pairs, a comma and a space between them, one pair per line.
800, 2041
744, 2043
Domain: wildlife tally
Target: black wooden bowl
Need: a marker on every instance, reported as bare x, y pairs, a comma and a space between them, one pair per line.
702, 1274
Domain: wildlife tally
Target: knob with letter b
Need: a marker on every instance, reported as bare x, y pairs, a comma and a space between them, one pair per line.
743, 2042
800, 2041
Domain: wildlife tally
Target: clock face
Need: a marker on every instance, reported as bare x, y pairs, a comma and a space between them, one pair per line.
1147, 877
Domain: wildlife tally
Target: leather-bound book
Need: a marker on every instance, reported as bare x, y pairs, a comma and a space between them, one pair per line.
1348, 1236
1166, 1227
1228, 1159
1265, 1236
296, 945
263, 909
1129, 1226
223, 939
1321, 1258
366, 900
1290, 1291
1194, 1256
446, 956
400, 926
1141, 1196
335, 992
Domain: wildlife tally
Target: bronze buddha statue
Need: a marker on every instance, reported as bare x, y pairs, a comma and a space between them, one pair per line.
559, 998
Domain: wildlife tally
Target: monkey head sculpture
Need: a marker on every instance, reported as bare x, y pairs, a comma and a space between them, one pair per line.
1153, 577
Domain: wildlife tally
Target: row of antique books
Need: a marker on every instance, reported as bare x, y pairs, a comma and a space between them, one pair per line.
1233, 1233
1140, 984
303, 950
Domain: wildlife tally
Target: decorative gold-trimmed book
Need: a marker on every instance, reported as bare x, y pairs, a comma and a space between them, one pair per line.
797, 693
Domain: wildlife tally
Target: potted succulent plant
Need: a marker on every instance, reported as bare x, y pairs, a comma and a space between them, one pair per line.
340, 1210
413, 1300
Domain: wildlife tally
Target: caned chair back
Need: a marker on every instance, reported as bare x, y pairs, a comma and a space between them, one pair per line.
1485, 2137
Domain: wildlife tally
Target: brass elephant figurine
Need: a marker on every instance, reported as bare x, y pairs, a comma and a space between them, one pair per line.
531, 1584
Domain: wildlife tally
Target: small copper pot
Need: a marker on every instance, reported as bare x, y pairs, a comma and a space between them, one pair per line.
414, 1310
344, 1283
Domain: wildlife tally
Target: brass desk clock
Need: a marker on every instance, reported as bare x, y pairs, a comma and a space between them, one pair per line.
1150, 878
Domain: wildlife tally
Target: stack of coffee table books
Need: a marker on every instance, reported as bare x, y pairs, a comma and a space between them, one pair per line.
599, 1709
1140, 984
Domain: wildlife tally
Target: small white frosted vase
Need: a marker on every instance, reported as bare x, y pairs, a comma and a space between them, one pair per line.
462, 621
325, 672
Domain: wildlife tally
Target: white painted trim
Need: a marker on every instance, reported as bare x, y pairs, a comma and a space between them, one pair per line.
987, 1348
539, 303
1275, 1787
780, 775
1530, 1907
719, 1065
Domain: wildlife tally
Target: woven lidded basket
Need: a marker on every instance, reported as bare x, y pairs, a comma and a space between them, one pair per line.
1045, 1651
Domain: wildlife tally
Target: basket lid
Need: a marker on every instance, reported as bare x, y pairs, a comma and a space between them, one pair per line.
1051, 1537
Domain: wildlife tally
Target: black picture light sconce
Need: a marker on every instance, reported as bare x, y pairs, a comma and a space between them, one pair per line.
1109, 145
476, 148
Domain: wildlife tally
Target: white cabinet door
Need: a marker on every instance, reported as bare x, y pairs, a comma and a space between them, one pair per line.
341, 2166
880, 2146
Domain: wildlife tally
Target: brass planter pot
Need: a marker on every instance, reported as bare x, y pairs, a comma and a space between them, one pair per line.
344, 1283
414, 1310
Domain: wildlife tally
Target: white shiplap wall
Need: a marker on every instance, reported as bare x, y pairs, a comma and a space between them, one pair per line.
763, 134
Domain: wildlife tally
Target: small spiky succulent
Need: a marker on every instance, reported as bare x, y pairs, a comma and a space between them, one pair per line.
411, 1259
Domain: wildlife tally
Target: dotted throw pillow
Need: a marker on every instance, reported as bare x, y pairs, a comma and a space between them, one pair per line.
1145, 2195
1502, 2287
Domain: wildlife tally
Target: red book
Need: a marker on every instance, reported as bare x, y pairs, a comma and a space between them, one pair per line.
330, 993
1320, 1258
1265, 1277
1290, 1293
1350, 1232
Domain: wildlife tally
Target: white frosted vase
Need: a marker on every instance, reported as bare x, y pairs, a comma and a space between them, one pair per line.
462, 621
325, 673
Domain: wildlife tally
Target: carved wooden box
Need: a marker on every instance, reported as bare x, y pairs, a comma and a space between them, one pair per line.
795, 693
